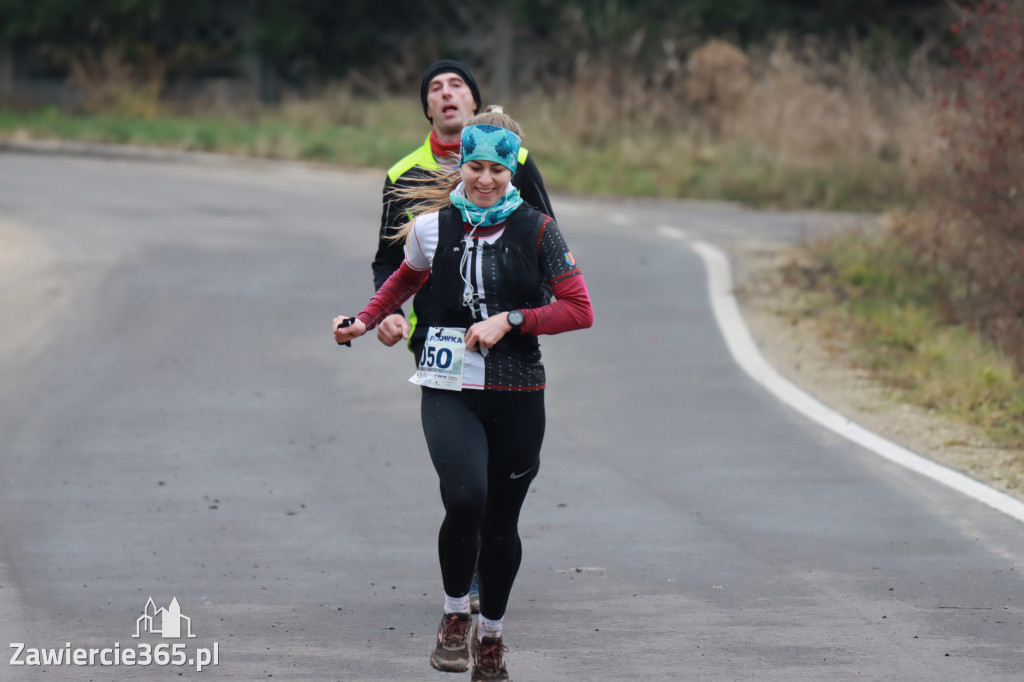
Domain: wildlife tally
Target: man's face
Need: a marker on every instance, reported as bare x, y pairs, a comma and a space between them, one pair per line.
449, 103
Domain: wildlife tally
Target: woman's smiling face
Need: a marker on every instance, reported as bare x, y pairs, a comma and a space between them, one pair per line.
485, 181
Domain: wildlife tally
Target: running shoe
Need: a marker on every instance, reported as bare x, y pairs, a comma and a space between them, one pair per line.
451, 654
474, 595
488, 659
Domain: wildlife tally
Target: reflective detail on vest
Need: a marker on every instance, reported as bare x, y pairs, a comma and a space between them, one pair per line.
413, 319
422, 157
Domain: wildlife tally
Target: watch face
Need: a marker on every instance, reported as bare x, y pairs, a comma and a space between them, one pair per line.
515, 318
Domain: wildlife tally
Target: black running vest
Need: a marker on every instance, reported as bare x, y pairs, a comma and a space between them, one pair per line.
511, 273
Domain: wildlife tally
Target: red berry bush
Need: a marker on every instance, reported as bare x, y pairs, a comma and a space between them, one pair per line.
977, 195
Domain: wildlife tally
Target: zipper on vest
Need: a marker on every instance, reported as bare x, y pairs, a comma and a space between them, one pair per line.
474, 262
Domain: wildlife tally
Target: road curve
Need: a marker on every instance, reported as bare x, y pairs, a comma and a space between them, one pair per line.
178, 425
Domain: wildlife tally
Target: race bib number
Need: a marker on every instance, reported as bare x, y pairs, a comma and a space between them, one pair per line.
441, 361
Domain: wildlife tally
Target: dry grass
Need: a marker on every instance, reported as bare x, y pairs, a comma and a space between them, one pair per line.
783, 127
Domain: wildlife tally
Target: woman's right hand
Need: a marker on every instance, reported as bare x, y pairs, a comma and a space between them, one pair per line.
346, 334
393, 329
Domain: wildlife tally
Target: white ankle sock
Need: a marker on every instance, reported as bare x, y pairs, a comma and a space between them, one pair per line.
456, 604
485, 627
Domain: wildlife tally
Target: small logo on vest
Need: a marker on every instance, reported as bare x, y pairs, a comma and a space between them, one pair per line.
569, 259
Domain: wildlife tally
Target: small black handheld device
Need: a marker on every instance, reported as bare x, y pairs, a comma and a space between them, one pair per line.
347, 322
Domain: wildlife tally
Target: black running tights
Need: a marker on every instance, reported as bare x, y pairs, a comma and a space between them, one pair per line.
485, 446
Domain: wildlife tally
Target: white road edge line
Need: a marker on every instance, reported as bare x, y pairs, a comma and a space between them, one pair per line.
747, 356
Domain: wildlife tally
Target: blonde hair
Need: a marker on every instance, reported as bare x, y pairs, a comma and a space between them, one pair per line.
431, 191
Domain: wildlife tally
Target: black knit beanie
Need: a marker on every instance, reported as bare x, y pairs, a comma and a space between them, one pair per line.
448, 66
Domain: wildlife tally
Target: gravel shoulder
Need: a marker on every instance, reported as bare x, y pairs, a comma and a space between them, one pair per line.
32, 289
823, 365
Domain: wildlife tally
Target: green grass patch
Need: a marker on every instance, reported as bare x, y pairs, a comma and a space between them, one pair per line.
346, 131
274, 135
873, 287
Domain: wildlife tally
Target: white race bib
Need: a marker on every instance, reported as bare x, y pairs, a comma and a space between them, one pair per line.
441, 361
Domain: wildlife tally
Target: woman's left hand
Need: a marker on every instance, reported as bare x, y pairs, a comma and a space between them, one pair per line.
488, 332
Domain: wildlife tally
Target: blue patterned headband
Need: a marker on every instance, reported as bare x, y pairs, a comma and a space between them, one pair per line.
490, 143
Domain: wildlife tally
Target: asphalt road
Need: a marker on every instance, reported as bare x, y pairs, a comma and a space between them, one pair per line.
177, 423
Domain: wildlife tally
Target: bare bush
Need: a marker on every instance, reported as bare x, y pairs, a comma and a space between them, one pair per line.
975, 186
806, 108
718, 78
109, 83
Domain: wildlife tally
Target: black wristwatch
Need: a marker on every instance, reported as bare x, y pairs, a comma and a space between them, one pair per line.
515, 318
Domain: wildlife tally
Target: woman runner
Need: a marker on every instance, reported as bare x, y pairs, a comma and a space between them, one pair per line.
501, 276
